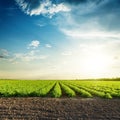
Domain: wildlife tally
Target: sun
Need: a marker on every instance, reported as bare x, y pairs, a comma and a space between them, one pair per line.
95, 65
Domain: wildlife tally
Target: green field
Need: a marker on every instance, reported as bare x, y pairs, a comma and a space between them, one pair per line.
61, 88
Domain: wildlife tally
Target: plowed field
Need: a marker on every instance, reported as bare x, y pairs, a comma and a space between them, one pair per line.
37, 108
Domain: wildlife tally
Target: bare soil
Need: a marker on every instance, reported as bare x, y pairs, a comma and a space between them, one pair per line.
36, 108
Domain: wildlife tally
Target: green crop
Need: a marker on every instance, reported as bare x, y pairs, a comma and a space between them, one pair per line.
81, 92
51, 88
56, 91
68, 90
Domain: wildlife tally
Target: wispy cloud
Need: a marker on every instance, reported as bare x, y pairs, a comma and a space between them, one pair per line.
40, 24
97, 23
76, 34
77, 2
1, 56
34, 44
48, 46
89, 18
3, 53
30, 56
33, 54
38, 7
67, 53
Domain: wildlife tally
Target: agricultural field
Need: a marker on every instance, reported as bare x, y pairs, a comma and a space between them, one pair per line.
60, 88
59, 100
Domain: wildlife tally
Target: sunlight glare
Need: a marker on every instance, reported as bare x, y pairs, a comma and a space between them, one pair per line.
95, 65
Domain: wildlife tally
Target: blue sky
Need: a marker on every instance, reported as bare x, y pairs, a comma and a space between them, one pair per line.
59, 39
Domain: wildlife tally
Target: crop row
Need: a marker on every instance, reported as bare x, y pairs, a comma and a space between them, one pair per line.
87, 89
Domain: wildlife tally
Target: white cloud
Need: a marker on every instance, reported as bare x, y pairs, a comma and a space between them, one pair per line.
48, 46
27, 57
90, 34
45, 7
4, 53
67, 53
34, 44
88, 29
40, 24
89, 6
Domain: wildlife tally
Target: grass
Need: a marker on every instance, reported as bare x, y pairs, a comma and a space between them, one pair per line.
53, 88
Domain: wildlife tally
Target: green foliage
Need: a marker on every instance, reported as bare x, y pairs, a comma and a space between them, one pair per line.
81, 92
108, 96
23, 88
68, 90
56, 91
40, 88
44, 91
94, 92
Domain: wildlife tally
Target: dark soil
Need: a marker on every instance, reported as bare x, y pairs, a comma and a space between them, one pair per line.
36, 108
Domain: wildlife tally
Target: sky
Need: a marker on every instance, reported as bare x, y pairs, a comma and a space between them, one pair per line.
59, 39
